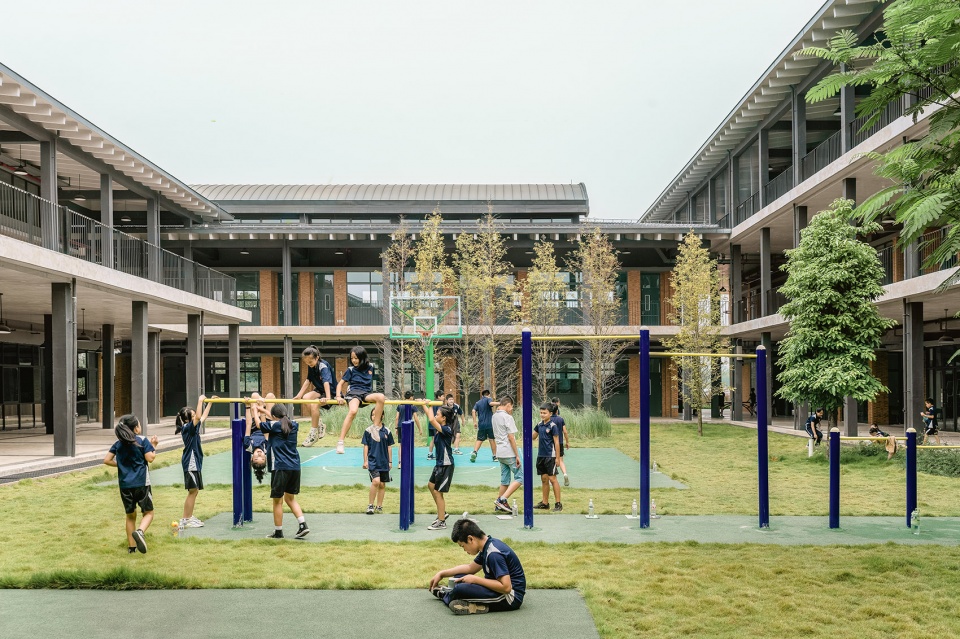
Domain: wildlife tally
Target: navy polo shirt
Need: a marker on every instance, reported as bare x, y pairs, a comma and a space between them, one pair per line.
132, 468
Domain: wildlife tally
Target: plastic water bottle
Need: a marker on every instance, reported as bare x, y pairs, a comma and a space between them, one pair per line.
514, 509
654, 466
915, 521
633, 509
653, 509
175, 529
590, 510
181, 529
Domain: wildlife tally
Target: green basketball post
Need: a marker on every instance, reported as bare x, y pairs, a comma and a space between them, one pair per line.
429, 365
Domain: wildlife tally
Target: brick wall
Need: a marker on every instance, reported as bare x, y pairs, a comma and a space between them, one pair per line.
633, 385
306, 290
339, 368
897, 264
122, 402
450, 386
878, 411
268, 298
270, 375
634, 296
340, 298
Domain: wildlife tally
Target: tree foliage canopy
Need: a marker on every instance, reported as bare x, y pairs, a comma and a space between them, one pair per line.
832, 281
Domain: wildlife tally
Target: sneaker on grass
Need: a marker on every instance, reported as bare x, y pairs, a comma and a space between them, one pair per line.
191, 522
557, 507
378, 510
542, 506
276, 534
461, 607
370, 509
139, 540
302, 531
438, 524
566, 479
502, 506
340, 450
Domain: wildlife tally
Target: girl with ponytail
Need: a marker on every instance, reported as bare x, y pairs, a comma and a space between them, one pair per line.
281, 434
189, 425
317, 385
130, 455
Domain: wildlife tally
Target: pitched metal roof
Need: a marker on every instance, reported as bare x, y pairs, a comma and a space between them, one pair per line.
393, 192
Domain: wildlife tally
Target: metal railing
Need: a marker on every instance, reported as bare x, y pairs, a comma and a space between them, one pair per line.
928, 245
892, 111
370, 314
885, 255
29, 218
818, 159
778, 186
747, 208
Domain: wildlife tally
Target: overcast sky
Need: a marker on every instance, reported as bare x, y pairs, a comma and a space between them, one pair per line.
615, 94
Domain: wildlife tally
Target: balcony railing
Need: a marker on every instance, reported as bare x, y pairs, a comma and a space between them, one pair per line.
778, 186
928, 245
892, 111
885, 255
366, 315
828, 151
31, 219
747, 208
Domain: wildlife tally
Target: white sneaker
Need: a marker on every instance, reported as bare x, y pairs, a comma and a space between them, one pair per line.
192, 522
321, 430
340, 450
311, 438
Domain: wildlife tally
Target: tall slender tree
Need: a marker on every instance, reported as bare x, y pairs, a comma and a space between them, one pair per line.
543, 293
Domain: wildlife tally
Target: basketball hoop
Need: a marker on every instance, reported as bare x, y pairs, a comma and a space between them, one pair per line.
425, 335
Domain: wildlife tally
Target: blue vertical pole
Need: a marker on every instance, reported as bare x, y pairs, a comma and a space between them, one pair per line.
412, 456
246, 471
237, 430
763, 473
406, 467
526, 344
834, 477
644, 427
911, 472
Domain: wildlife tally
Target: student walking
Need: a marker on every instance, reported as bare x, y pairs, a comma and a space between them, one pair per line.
281, 433
457, 422
189, 425
483, 419
355, 388
564, 437
505, 431
930, 422
130, 455
377, 440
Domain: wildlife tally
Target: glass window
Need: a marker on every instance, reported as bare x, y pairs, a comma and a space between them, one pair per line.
364, 289
249, 374
747, 178
720, 194
701, 212
294, 299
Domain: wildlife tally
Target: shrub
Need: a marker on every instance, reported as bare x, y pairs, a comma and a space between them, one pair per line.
945, 463
587, 423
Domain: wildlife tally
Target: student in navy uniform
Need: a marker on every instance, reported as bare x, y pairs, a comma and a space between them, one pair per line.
547, 456
377, 459
502, 586
320, 380
431, 433
930, 422
408, 395
483, 419
284, 466
442, 476
359, 380
813, 426
457, 418
564, 438
130, 455
255, 442
189, 422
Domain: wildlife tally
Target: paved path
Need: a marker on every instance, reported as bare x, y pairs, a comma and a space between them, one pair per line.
554, 529
227, 614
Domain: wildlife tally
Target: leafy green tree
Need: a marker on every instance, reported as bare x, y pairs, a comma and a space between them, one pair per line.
833, 280
696, 313
543, 297
915, 57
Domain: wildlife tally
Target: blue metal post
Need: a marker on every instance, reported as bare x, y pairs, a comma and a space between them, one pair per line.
527, 389
834, 477
644, 427
412, 514
406, 468
246, 471
911, 472
763, 473
237, 430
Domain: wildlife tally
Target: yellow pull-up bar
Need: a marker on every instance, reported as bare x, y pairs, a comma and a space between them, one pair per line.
275, 400
631, 338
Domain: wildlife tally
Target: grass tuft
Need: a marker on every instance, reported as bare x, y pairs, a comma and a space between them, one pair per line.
121, 578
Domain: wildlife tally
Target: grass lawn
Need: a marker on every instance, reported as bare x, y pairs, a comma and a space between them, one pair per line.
68, 532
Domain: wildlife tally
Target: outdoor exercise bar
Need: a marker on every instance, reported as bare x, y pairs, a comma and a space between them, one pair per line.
278, 400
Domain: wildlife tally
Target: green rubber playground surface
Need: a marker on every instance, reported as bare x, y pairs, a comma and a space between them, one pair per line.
587, 468
280, 613
557, 529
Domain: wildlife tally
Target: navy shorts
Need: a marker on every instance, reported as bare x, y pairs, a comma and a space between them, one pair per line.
133, 497
284, 481
192, 479
361, 396
442, 478
546, 466
382, 475
485, 433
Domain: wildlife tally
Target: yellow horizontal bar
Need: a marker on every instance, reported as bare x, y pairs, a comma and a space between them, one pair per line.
582, 338
247, 400
734, 355
938, 447
872, 439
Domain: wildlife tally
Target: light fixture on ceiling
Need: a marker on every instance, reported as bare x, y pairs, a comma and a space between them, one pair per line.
125, 218
21, 168
82, 336
80, 196
624, 252
4, 329
117, 347
244, 251
338, 252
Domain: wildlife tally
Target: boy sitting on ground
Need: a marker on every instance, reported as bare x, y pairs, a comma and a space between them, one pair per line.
503, 583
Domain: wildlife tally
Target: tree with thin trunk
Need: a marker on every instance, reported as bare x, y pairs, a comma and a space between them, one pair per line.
543, 296
695, 311
596, 261
833, 280
397, 260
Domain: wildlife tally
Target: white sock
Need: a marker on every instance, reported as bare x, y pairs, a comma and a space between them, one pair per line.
280, 528
301, 520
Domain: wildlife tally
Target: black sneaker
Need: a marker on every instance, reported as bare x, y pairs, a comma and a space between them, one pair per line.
276, 534
461, 607
542, 506
557, 507
502, 506
140, 541
302, 531
440, 592
378, 510
370, 509
132, 549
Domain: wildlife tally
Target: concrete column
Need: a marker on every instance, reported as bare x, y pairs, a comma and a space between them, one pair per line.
64, 368
850, 417
912, 364
849, 189
736, 284
763, 164
799, 135
194, 359
189, 275
233, 360
690, 212
911, 260
731, 186
139, 363
847, 104
799, 223
711, 202
387, 368
153, 377
736, 376
108, 373
801, 414
767, 340
766, 276
48, 374
288, 390
106, 218
584, 375
384, 268
287, 285
50, 221
154, 261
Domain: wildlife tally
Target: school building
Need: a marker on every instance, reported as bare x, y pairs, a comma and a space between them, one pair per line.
126, 289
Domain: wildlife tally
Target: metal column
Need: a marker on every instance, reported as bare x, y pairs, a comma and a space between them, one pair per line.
194, 364
108, 372
64, 362
526, 350
138, 364
763, 475
153, 377
644, 427
912, 363
106, 218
